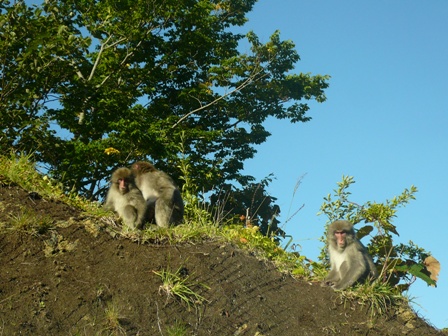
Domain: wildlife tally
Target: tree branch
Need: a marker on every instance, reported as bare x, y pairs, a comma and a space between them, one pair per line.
247, 82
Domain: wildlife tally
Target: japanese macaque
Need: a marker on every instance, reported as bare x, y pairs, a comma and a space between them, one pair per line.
349, 259
126, 199
160, 192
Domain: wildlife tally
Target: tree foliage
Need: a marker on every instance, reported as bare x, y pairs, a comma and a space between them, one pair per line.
400, 264
88, 85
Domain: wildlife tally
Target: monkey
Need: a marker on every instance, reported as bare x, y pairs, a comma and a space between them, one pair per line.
160, 192
126, 199
350, 262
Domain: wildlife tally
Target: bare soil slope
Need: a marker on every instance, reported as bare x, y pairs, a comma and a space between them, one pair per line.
78, 281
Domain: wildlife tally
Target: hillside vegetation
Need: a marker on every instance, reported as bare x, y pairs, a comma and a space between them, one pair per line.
67, 269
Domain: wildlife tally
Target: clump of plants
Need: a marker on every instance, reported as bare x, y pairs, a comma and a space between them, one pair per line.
27, 220
177, 285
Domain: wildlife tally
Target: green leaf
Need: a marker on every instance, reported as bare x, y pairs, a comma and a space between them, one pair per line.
417, 270
364, 231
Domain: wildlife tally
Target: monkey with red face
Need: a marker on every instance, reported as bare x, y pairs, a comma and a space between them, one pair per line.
349, 259
126, 199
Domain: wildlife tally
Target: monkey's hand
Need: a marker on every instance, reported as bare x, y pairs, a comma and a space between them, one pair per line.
327, 283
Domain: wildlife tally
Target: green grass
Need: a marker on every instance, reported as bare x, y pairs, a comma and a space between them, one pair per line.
178, 329
27, 220
174, 285
21, 170
112, 316
377, 296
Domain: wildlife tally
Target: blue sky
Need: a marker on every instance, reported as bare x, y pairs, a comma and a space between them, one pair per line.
385, 120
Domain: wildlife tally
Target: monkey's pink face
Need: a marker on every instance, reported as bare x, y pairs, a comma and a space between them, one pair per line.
123, 186
340, 238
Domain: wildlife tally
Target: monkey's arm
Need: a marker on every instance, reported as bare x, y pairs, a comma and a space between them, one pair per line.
350, 276
136, 208
351, 271
332, 277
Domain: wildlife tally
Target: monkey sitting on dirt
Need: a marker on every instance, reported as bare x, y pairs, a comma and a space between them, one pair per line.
349, 259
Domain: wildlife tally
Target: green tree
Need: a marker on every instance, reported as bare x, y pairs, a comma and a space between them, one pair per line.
89, 85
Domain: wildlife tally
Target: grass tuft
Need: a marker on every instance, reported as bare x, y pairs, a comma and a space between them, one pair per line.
21, 170
112, 315
178, 329
378, 296
175, 285
28, 221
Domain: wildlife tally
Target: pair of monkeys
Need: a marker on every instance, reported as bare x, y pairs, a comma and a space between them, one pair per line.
144, 194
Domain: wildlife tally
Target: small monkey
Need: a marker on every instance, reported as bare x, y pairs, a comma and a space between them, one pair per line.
126, 199
349, 259
160, 192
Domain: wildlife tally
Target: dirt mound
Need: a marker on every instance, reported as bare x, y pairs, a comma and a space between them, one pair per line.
77, 281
